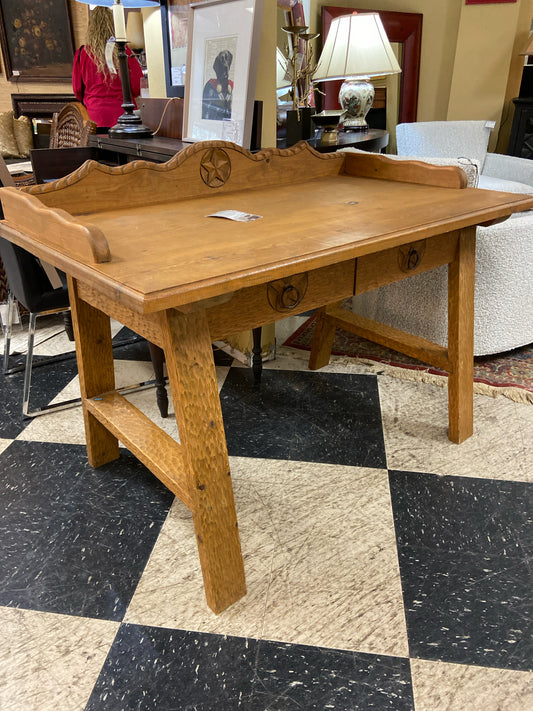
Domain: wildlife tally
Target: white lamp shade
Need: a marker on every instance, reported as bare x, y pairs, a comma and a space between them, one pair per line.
356, 46
124, 3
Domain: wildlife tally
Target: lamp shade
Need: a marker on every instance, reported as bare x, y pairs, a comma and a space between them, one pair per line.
134, 30
124, 3
356, 46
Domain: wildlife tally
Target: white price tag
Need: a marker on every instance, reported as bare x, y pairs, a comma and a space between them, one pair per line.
236, 215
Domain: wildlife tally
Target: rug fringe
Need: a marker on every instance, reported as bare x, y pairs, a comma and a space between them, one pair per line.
422, 376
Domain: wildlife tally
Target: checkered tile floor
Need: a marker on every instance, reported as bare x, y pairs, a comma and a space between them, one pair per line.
386, 567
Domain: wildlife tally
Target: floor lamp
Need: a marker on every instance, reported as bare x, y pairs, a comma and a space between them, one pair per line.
129, 125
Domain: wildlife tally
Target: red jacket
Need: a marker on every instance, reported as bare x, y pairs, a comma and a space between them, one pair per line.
101, 95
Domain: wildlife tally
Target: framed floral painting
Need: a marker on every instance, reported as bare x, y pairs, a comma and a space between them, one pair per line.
36, 40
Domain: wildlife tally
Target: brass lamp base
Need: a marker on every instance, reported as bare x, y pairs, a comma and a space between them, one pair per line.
329, 136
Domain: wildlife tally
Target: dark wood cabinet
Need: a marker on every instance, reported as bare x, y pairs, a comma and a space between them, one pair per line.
521, 140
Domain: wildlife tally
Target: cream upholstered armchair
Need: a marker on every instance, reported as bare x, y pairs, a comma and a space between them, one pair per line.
504, 252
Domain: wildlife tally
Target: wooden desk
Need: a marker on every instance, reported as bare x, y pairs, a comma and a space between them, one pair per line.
331, 225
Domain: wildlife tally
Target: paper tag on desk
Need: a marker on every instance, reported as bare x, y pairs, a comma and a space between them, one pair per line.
236, 215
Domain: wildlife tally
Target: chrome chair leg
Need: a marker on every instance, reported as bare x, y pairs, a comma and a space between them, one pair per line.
65, 404
29, 361
8, 329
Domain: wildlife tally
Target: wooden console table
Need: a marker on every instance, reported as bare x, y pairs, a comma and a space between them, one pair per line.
373, 140
157, 148
160, 148
138, 245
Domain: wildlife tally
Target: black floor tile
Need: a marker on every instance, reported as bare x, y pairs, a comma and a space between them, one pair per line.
465, 550
48, 379
127, 345
156, 668
315, 417
73, 539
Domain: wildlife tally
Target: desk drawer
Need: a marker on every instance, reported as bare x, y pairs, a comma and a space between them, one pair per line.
380, 268
280, 298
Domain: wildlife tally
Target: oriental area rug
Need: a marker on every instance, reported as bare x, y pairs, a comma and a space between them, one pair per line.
509, 374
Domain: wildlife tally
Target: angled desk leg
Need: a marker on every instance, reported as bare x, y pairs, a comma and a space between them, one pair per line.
94, 352
323, 336
193, 383
461, 276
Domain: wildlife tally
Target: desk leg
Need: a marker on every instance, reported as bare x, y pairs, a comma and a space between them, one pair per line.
461, 276
323, 336
194, 388
94, 352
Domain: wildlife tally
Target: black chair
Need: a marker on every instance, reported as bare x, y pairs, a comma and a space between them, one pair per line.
31, 287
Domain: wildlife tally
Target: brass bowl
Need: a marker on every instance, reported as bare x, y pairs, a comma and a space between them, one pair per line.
327, 119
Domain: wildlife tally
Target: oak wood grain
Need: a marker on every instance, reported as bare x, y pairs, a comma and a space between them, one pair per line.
193, 383
412, 171
148, 442
180, 277
461, 281
390, 265
94, 354
388, 336
54, 227
166, 252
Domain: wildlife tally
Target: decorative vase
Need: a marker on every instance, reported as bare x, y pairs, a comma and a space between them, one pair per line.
299, 125
356, 97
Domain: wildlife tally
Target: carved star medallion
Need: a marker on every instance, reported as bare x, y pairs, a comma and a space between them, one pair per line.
215, 167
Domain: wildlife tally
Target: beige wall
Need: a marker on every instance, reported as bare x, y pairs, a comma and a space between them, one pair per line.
470, 63
483, 55
515, 73
470, 68
440, 23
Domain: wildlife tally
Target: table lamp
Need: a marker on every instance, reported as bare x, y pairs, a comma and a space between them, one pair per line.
356, 49
129, 125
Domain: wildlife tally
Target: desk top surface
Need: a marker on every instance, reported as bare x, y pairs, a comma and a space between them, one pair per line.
164, 250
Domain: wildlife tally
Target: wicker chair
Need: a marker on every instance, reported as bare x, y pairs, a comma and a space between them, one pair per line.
71, 127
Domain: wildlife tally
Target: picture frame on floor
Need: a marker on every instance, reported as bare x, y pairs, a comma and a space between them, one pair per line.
221, 70
36, 40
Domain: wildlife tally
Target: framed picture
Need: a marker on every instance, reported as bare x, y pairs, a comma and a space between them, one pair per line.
36, 40
175, 20
221, 70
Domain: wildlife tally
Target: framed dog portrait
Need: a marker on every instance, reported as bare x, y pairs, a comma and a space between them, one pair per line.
221, 70
36, 40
